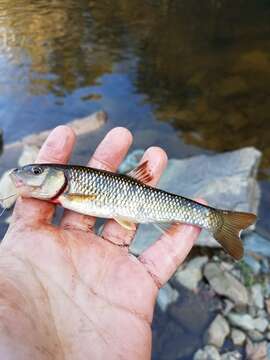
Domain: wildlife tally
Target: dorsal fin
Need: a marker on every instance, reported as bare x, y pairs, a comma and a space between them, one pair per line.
141, 173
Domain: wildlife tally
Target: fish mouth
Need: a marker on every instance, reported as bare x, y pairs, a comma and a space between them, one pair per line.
18, 182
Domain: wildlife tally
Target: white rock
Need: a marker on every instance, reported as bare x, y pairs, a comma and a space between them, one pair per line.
243, 321
257, 296
166, 296
255, 335
225, 284
7, 188
232, 355
29, 155
192, 274
207, 353
260, 324
238, 337
218, 331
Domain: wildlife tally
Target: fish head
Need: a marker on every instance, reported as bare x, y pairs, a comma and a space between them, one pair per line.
41, 181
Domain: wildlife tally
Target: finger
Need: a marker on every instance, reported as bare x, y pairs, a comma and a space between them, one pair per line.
56, 149
108, 156
163, 257
157, 161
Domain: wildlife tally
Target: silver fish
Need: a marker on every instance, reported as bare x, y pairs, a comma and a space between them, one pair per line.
127, 199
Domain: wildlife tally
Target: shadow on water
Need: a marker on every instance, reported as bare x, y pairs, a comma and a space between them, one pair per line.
190, 76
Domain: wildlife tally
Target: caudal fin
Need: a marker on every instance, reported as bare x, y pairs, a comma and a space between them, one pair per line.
228, 234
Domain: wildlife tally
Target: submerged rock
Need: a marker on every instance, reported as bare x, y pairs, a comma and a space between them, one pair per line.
218, 331
238, 337
225, 180
225, 284
207, 353
255, 243
192, 273
166, 296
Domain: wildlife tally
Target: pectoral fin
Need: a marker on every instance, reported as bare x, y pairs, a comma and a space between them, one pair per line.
126, 224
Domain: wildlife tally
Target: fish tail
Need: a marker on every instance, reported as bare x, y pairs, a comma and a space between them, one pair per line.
228, 233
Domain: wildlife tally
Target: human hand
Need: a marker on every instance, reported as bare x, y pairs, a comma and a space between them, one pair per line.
67, 293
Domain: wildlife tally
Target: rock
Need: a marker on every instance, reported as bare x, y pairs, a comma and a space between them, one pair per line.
229, 305
231, 185
166, 296
260, 324
192, 274
233, 86
225, 284
265, 266
7, 188
257, 296
255, 243
207, 353
243, 321
232, 355
28, 155
267, 303
268, 335
256, 351
218, 331
238, 337
255, 335
253, 264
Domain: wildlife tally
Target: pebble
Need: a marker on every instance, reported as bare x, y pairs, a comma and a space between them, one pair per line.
255, 335
257, 296
260, 324
166, 296
243, 321
232, 355
207, 353
218, 331
257, 351
238, 337
191, 275
225, 284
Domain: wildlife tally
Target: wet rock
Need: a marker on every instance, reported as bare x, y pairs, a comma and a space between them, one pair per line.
238, 337
260, 324
218, 331
29, 155
7, 189
225, 180
166, 296
225, 284
233, 86
267, 303
207, 353
255, 243
257, 296
256, 351
192, 273
255, 335
232, 355
243, 321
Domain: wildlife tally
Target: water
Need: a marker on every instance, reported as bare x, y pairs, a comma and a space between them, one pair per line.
191, 76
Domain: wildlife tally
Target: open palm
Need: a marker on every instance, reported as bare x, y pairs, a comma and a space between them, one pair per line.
70, 294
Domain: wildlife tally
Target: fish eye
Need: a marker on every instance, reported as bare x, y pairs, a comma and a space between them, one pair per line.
36, 170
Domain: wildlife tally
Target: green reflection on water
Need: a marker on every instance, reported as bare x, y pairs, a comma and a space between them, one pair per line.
205, 66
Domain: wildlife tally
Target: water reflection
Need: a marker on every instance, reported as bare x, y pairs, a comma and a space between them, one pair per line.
204, 67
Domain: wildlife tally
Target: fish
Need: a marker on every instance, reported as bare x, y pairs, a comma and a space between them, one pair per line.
128, 199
